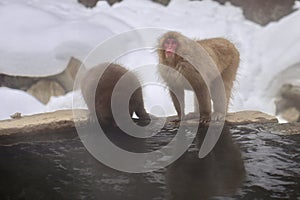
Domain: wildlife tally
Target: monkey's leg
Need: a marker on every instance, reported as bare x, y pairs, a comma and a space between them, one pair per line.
202, 103
221, 99
197, 105
137, 103
202, 96
196, 113
178, 100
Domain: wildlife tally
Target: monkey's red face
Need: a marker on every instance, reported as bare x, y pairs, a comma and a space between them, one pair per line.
170, 45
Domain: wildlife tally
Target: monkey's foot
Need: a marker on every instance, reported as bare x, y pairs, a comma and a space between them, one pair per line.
177, 120
197, 116
92, 119
142, 121
218, 116
205, 119
192, 115
173, 118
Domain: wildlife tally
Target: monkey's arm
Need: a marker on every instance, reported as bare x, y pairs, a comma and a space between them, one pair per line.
177, 96
220, 99
184, 67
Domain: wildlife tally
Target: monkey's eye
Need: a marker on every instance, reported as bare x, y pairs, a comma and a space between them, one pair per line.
170, 42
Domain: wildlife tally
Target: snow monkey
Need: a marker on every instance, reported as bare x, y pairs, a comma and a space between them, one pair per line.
97, 88
184, 55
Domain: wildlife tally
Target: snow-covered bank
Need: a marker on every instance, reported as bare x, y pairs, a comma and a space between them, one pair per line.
39, 36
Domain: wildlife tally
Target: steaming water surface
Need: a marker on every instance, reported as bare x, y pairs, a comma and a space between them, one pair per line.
261, 166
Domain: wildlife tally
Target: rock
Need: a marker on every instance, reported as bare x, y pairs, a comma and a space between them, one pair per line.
93, 3
68, 76
36, 85
163, 2
88, 3
259, 11
243, 117
43, 90
41, 126
17, 82
60, 125
263, 11
288, 103
291, 114
289, 91
51, 121
112, 2
48, 125
247, 117
16, 115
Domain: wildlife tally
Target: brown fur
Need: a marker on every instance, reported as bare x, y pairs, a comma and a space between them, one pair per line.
98, 92
188, 54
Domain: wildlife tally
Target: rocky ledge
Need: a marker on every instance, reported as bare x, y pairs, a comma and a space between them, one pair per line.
64, 119
60, 124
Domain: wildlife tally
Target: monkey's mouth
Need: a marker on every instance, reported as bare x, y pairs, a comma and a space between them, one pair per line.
169, 54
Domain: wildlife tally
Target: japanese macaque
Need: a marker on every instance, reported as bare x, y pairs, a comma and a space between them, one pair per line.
204, 65
98, 85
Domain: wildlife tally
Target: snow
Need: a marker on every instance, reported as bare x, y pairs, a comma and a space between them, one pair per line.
39, 36
11, 103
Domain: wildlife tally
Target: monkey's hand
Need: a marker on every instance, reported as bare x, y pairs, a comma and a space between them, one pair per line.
185, 67
145, 119
218, 116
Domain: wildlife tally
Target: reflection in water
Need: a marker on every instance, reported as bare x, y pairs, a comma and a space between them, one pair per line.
63, 169
220, 173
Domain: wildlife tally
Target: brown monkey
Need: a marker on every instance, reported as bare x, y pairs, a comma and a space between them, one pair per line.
97, 87
184, 55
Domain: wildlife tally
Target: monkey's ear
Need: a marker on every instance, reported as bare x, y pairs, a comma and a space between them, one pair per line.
160, 52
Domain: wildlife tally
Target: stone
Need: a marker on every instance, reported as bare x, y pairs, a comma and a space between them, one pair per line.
16, 115
63, 120
291, 114
263, 11
43, 90
288, 102
88, 3
67, 77
51, 121
249, 116
163, 2
37, 85
17, 82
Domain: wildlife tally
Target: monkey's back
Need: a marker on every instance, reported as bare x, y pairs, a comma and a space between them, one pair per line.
98, 84
222, 51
